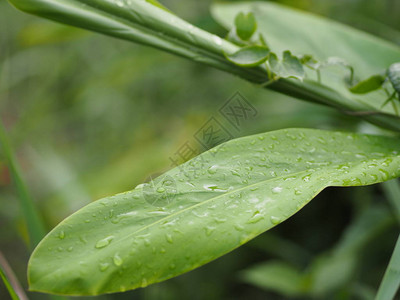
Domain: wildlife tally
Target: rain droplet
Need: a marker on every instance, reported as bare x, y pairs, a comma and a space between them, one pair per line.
61, 236
117, 260
212, 170
297, 192
275, 220
220, 220
239, 227
104, 242
168, 237
277, 190
209, 230
257, 217
161, 189
103, 266
144, 283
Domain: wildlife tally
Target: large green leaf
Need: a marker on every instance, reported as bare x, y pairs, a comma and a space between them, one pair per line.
303, 33
203, 209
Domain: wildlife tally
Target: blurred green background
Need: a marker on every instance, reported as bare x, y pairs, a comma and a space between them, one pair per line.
90, 116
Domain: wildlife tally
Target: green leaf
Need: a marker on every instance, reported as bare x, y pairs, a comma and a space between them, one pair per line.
338, 61
289, 67
246, 25
368, 85
276, 276
391, 280
250, 56
8, 285
10, 281
34, 222
394, 76
213, 204
309, 61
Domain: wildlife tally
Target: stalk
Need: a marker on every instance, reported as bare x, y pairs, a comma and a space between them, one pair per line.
142, 22
33, 221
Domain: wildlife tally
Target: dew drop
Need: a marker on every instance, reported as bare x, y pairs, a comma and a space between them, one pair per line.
61, 236
239, 227
220, 220
103, 266
275, 220
104, 242
235, 173
161, 189
117, 260
257, 217
168, 237
277, 190
212, 170
297, 192
209, 230
144, 283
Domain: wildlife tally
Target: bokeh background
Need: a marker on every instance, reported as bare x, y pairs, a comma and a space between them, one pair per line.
90, 116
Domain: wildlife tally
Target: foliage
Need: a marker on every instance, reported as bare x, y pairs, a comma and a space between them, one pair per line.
311, 75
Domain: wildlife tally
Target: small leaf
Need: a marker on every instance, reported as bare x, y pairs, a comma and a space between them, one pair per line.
337, 61
246, 25
289, 67
368, 85
250, 56
309, 61
394, 76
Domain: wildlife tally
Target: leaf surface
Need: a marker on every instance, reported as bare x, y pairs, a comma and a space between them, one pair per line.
203, 209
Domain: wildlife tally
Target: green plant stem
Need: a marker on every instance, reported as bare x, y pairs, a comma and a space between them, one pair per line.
33, 221
144, 23
10, 280
391, 280
392, 191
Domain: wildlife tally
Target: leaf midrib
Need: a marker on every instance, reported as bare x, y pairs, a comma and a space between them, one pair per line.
227, 193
